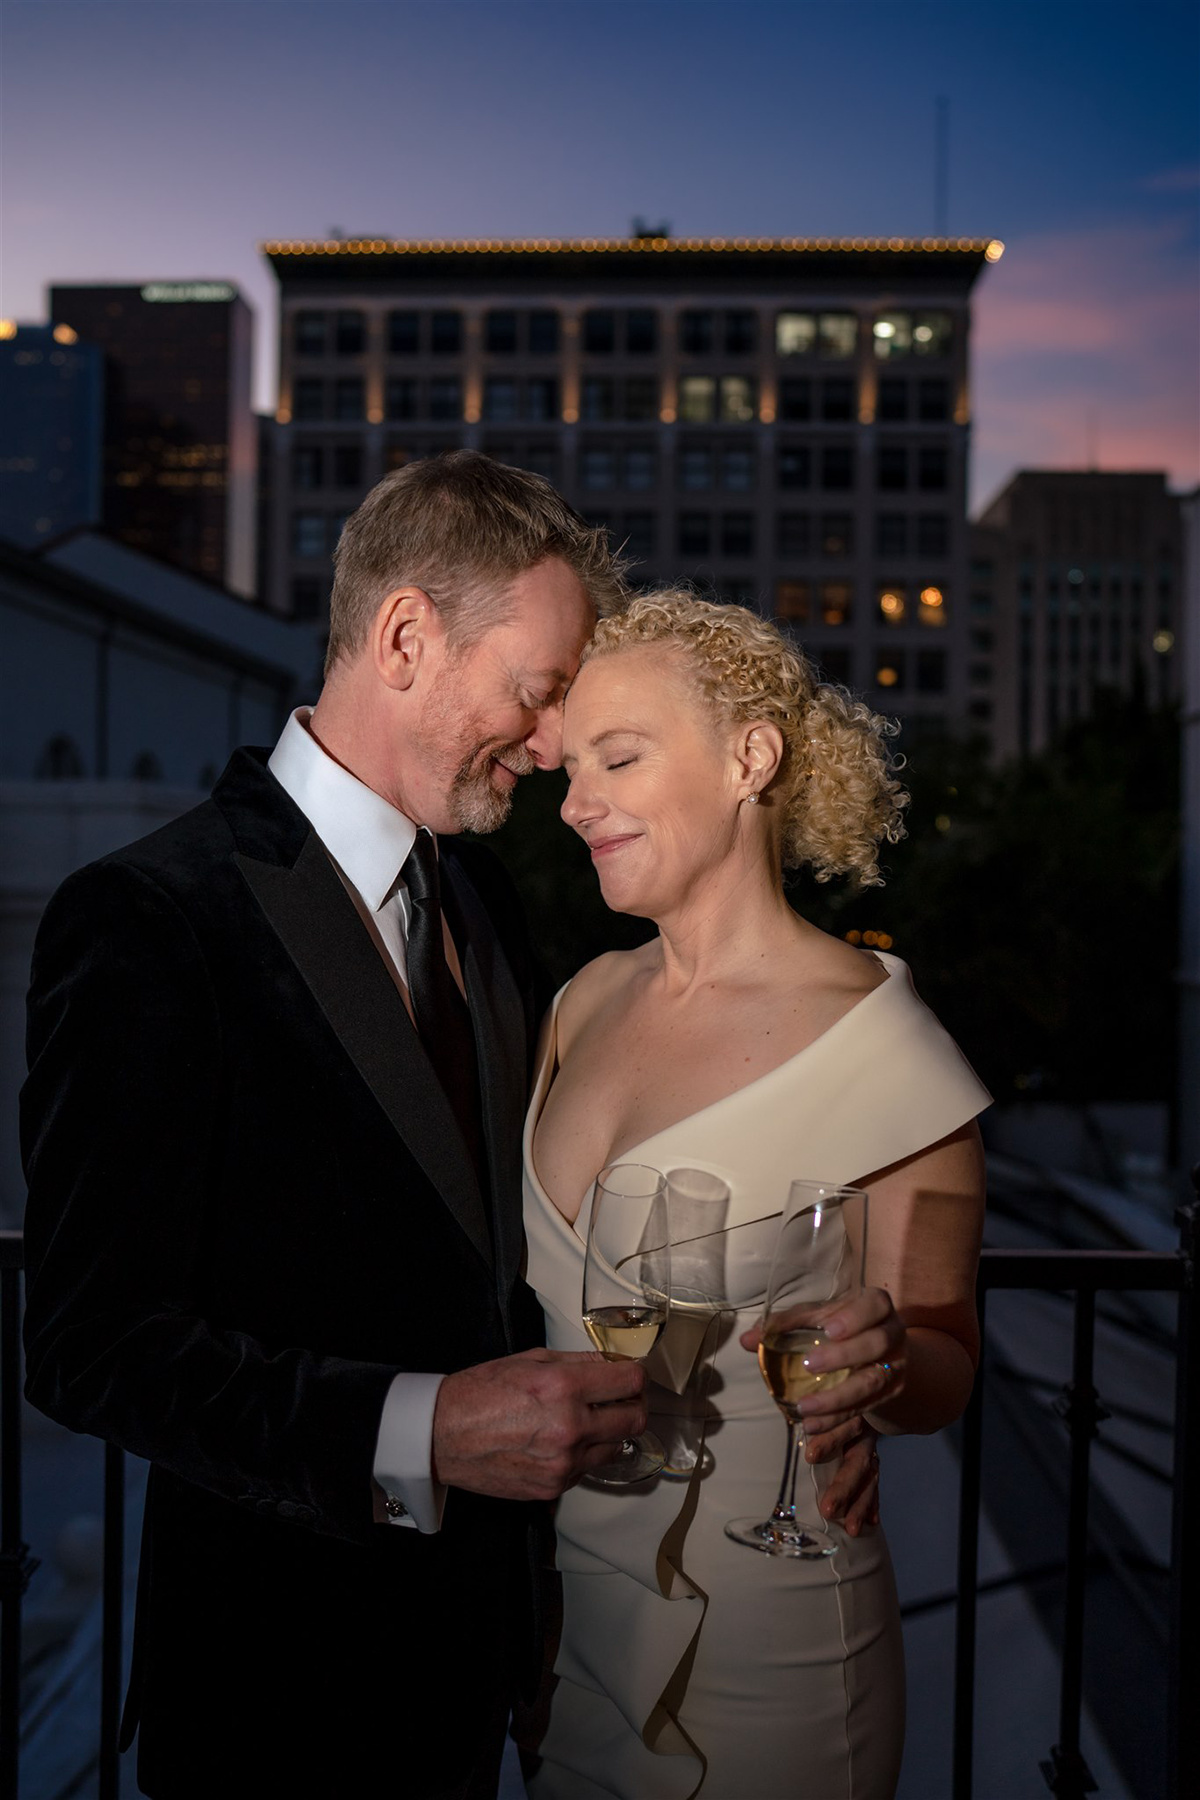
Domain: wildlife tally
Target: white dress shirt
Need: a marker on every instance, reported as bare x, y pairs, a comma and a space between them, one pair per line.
368, 841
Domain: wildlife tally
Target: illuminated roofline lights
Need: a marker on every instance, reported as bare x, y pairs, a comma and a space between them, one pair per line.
990, 248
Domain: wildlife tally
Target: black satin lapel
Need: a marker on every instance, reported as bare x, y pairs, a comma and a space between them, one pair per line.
315, 919
498, 1020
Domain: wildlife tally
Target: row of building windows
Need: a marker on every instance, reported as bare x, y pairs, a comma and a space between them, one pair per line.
701, 399
633, 331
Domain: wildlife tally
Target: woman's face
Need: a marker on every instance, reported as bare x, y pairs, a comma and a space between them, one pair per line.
655, 785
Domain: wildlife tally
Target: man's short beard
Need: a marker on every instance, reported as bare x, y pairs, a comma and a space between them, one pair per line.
475, 802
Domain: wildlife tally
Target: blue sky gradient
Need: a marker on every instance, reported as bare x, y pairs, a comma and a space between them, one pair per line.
166, 138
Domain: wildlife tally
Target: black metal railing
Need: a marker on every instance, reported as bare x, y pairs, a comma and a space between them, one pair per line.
1084, 1273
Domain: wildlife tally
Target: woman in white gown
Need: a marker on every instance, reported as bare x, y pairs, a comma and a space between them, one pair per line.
704, 757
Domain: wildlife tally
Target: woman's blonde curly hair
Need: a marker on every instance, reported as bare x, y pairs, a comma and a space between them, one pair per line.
836, 785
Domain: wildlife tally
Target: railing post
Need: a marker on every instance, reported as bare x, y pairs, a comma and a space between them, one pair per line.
111, 1637
16, 1564
1183, 1675
1067, 1774
969, 1496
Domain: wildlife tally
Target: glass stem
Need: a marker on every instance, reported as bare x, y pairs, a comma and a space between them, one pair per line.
785, 1506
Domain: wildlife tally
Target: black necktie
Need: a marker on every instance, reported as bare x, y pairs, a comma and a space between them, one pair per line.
443, 1020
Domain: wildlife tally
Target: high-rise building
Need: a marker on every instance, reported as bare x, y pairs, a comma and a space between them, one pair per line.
784, 422
1075, 585
179, 435
51, 422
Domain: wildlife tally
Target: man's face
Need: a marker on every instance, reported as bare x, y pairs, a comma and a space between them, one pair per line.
494, 712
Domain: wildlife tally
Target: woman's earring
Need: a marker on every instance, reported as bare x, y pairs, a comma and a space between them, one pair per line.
751, 799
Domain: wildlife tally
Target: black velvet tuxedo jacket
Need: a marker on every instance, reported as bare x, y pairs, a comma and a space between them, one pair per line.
250, 1206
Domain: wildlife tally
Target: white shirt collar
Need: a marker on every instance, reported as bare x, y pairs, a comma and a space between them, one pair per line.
365, 834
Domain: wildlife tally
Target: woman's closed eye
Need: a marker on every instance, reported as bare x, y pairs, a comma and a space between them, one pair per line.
623, 764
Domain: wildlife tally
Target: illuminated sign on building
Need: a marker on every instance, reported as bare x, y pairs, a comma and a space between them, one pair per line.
188, 290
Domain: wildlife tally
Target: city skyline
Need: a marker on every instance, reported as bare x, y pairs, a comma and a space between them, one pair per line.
167, 141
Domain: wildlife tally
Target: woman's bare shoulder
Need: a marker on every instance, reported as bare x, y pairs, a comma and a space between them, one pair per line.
596, 984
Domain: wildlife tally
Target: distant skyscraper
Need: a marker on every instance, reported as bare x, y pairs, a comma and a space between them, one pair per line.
784, 421
1075, 587
51, 421
179, 436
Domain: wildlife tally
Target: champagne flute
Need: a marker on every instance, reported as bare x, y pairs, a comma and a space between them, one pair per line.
817, 1266
698, 1206
626, 1290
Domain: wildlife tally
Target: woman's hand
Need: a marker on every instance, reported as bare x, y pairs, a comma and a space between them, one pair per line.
852, 1497
867, 1336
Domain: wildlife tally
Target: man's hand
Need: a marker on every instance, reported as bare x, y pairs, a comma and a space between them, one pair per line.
527, 1427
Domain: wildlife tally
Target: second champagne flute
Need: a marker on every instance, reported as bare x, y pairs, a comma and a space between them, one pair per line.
626, 1288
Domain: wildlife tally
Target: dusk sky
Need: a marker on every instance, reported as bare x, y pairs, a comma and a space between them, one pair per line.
167, 138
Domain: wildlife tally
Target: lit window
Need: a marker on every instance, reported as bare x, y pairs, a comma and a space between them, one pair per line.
641, 398
500, 333
695, 534
793, 600
837, 334
400, 397
795, 334
738, 399
836, 597
932, 334
599, 399
696, 468
404, 333
793, 534
599, 331
892, 608
598, 469
541, 398
639, 461
697, 399
892, 334
890, 670
499, 400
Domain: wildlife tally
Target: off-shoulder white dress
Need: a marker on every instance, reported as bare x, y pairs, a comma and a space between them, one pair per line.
690, 1665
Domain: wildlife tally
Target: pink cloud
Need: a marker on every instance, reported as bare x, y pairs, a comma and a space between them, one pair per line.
1086, 347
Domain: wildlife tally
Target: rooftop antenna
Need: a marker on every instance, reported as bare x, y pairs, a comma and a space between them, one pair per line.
941, 164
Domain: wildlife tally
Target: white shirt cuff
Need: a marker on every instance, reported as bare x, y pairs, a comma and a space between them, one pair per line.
404, 1453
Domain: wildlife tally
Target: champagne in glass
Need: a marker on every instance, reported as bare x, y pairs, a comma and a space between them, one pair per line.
626, 1290
817, 1266
698, 1204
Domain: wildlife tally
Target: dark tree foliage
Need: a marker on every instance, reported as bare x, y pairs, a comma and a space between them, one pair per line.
1035, 903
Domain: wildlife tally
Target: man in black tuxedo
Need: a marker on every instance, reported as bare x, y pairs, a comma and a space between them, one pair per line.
278, 1058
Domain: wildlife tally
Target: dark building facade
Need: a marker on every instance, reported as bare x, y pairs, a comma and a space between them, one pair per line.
1076, 577
180, 445
51, 426
783, 422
